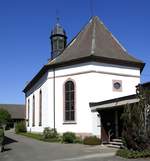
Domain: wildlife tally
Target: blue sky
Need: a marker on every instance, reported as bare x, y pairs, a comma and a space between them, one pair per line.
25, 27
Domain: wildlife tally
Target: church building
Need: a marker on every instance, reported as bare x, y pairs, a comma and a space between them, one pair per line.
93, 67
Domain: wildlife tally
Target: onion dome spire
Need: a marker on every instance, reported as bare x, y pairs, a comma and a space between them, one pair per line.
58, 39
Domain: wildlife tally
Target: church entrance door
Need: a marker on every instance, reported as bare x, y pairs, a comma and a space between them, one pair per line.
111, 124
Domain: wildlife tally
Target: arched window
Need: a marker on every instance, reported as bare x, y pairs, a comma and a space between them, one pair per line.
28, 111
69, 111
40, 108
33, 117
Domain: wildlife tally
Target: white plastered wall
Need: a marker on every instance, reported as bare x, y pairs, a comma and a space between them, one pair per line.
93, 83
47, 108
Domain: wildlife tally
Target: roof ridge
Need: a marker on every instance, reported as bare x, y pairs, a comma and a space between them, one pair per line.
93, 44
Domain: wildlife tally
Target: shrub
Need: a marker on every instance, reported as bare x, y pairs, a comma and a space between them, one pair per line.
69, 137
20, 127
49, 133
91, 140
78, 140
136, 122
125, 153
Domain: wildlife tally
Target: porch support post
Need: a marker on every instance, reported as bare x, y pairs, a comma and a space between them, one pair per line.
116, 124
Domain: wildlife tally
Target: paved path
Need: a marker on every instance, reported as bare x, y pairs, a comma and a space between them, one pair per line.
21, 148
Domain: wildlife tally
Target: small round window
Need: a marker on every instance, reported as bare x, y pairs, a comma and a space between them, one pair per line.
117, 85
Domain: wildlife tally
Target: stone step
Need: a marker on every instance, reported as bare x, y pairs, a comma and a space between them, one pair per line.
114, 146
116, 143
117, 140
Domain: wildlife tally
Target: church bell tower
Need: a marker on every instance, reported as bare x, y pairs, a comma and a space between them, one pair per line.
58, 40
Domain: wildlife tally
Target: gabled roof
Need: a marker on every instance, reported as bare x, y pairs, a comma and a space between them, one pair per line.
93, 43
96, 40
16, 111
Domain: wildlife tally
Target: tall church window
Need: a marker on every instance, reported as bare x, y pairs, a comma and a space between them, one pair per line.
33, 106
40, 108
28, 105
69, 110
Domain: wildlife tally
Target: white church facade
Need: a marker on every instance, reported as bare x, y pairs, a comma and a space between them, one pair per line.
93, 67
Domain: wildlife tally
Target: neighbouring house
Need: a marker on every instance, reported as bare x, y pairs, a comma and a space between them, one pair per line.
110, 112
17, 112
93, 67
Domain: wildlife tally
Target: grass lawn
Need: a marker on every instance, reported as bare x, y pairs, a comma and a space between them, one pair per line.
36, 136
39, 136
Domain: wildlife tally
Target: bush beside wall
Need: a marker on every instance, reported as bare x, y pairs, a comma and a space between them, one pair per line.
125, 153
49, 133
69, 137
20, 127
91, 140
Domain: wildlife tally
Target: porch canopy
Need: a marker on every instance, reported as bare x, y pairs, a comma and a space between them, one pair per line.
113, 103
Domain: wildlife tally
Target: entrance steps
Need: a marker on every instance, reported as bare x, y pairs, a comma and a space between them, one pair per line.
115, 143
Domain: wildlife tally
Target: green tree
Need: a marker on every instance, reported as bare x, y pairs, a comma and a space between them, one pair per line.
135, 126
4, 117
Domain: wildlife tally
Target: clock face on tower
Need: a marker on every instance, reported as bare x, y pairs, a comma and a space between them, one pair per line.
117, 85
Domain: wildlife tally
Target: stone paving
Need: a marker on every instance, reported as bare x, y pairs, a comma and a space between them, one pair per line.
20, 148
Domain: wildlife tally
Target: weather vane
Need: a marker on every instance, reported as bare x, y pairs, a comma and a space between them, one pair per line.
57, 16
92, 7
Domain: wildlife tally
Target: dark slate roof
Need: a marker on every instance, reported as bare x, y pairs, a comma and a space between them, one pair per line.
95, 40
93, 43
16, 111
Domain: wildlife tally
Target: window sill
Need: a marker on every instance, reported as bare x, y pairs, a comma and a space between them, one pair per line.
69, 122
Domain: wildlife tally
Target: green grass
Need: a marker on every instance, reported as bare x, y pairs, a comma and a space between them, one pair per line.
125, 153
39, 136
36, 136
